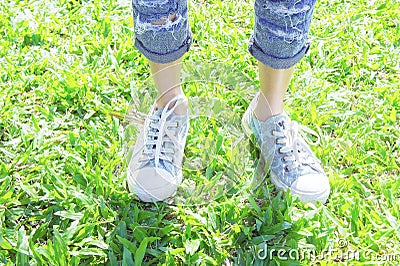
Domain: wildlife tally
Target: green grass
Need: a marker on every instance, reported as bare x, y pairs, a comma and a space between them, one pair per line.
68, 74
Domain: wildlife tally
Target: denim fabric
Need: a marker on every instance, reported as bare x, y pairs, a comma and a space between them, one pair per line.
279, 39
281, 28
161, 43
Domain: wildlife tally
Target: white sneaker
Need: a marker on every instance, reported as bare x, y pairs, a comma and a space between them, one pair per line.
155, 169
287, 156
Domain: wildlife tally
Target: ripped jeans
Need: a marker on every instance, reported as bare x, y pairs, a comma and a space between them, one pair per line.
280, 37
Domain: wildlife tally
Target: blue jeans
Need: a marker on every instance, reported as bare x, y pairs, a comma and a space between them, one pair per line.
280, 37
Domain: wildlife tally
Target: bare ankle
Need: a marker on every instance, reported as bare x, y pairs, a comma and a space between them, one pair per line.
266, 109
164, 99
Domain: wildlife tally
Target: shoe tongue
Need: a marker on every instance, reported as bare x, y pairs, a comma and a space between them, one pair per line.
280, 121
158, 112
281, 124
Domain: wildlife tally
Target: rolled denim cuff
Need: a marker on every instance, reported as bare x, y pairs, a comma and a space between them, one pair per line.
168, 57
162, 30
274, 61
280, 38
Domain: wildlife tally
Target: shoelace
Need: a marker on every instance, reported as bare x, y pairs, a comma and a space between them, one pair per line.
289, 138
162, 137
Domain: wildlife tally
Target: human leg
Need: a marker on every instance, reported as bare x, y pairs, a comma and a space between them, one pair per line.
273, 86
278, 43
162, 34
167, 80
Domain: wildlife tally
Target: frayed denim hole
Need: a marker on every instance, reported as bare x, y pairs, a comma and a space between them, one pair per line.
145, 22
158, 9
293, 20
171, 27
279, 32
281, 9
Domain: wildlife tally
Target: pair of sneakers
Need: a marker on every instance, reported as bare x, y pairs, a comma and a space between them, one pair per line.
154, 171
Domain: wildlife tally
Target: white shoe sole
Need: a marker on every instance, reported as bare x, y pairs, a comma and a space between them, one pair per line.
303, 196
153, 184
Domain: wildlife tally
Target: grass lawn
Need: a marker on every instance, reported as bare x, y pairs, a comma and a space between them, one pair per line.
68, 75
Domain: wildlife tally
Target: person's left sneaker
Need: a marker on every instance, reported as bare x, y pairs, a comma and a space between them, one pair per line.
155, 169
287, 156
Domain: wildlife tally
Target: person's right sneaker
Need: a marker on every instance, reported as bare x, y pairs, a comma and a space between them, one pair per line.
290, 160
155, 169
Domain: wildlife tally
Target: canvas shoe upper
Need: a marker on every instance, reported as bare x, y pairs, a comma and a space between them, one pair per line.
291, 162
155, 169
